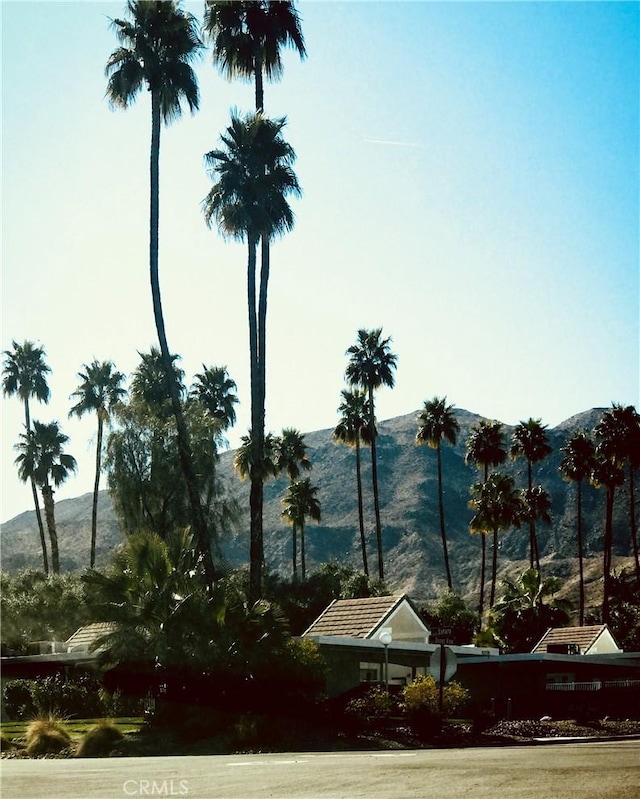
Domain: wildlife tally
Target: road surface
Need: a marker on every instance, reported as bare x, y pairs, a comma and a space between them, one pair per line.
604, 770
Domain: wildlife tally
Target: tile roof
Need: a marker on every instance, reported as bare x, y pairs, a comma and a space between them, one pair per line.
82, 639
356, 618
585, 637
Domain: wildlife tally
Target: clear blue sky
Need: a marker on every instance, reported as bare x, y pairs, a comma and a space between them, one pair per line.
471, 184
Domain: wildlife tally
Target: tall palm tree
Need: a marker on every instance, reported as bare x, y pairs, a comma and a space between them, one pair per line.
253, 178
216, 391
158, 43
436, 421
497, 507
24, 376
300, 502
618, 433
248, 37
42, 456
352, 430
577, 464
485, 447
150, 386
529, 440
608, 474
99, 390
371, 365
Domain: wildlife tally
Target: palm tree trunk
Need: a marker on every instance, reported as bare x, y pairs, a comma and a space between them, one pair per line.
256, 544
34, 494
580, 547
483, 565
43, 542
96, 488
607, 551
303, 558
294, 551
374, 481
184, 448
363, 541
47, 497
443, 534
534, 557
632, 521
494, 568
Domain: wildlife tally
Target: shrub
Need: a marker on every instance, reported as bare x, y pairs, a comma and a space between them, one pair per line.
46, 737
77, 698
374, 706
99, 740
423, 694
18, 699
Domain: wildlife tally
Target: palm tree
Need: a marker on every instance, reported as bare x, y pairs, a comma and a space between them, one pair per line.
577, 464
149, 384
371, 365
158, 43
497, 507
247, 40
436, 422
42, 457
253, 177
527, 608
24, 375
529, 440
291, 453
618, 433
248, 37
300, 502
352, 430
485, 447
100, 389
216, 391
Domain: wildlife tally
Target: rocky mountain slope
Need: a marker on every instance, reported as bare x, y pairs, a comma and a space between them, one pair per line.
409, 510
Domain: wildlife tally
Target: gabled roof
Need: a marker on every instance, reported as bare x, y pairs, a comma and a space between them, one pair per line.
584, 637
355, 618
84, 637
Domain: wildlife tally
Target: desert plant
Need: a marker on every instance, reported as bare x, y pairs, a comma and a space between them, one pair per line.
47, 736
99, 740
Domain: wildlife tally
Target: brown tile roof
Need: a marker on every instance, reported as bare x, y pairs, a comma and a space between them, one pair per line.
356, 618
585, 637
82, 639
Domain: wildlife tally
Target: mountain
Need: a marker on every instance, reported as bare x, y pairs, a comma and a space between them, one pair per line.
409, 511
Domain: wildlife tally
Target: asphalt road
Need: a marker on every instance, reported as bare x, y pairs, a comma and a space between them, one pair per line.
606, 770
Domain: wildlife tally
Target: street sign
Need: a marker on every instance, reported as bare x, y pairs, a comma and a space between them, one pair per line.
443, 657
442, 635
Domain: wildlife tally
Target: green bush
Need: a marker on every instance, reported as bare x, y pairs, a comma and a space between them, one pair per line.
18, 699
47, 736
77, 698
374, 706
99, 740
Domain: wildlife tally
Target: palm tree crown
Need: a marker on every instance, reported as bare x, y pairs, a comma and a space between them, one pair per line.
485, 445
24, 374
371, 362
291, 453
100, 388
159, 42
216, 391
437, 422
253, 177
41, 454
248, 37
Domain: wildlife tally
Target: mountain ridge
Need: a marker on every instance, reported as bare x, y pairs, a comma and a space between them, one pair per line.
409, 510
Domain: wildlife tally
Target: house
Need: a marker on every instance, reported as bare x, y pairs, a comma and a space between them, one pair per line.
592, 640
376, 640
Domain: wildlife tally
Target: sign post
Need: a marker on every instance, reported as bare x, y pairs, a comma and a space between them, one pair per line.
443, 663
